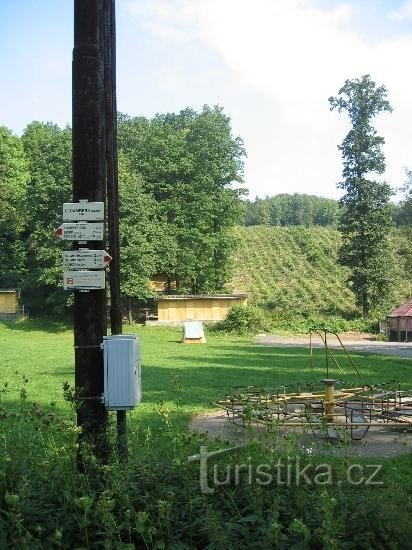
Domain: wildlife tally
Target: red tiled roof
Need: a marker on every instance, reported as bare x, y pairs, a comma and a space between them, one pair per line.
403, 311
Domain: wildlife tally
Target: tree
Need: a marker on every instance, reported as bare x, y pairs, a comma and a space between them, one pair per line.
137, 255
286, 210
49, 151
14, 176
366, 219
404, 214
188, 162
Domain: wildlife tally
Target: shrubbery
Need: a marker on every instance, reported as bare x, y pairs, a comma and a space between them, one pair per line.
243, 320
252, 319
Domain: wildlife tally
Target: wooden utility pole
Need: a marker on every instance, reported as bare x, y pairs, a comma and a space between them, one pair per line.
89, 183
113, 194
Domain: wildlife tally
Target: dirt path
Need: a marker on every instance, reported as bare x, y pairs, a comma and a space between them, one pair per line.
351, 342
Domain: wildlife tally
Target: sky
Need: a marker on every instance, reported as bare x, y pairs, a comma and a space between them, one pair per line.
271, 64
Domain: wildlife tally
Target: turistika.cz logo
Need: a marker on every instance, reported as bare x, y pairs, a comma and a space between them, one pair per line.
290, 471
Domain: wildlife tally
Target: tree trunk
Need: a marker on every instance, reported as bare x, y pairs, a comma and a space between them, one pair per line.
365, 306
129, 311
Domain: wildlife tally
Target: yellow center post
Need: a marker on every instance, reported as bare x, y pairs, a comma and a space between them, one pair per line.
329, 398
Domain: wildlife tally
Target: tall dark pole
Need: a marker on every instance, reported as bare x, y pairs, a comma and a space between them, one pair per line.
113, 195
89, 182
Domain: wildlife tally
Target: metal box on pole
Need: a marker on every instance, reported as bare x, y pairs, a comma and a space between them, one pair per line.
122, 371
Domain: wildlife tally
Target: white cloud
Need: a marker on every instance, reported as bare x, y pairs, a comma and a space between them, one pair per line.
403, 13
290, 56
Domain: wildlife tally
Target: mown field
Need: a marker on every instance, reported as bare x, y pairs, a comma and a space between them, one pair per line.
295, 269
42, 353
155, 500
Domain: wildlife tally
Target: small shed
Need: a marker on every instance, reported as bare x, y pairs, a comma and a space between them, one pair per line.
175, 309
9, 303
400, 323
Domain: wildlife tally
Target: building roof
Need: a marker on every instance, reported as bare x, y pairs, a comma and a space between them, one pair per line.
403, 311
200, 296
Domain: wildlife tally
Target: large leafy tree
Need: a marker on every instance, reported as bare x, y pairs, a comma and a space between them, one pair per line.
366, 218
14, 176
136, 236
48, 149
177, 204
403, 217
188, 162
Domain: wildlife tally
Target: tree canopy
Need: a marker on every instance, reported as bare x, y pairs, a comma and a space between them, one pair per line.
14, 175
188, 162
286, 210
177, 204
366, 217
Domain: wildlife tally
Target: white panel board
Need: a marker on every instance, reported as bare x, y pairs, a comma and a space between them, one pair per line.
83, 211
86, 259
193, 330
122, 371
83, 280
80, 231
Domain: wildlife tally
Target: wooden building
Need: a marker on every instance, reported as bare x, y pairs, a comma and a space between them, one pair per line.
400, 323
160, 283
9, 304
176, 309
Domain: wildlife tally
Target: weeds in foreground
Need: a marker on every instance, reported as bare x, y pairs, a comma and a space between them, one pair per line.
156, 501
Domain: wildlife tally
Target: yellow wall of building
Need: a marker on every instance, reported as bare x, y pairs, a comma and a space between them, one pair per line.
8, 302
201, 309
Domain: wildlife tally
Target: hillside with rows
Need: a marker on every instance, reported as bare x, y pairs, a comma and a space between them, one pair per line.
295, 269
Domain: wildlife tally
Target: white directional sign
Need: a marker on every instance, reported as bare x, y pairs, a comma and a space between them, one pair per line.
86, 259
83, 280
83, 211
80, 232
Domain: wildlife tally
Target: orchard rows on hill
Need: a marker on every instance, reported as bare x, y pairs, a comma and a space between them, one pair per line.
294, 270
292, 267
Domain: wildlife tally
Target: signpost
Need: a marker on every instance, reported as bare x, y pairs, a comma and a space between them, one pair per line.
95, 177
84, 280
83, 211
86, 259
80, 232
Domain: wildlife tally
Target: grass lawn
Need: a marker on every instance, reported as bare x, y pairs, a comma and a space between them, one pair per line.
43, 353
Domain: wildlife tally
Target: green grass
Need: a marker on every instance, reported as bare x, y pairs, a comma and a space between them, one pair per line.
43, 353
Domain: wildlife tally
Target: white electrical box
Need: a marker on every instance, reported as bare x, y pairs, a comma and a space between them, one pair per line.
122, 371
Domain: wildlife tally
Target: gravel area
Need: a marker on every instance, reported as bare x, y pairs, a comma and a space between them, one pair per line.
356, 343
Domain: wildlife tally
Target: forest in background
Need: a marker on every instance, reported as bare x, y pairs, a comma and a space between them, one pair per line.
284, 210
181, 199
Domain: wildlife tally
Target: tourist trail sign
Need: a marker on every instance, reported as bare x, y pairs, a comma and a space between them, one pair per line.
84, 280
86, 259
80, 231
83, 211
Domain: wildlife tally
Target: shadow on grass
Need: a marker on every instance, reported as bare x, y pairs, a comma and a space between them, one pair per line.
40, 325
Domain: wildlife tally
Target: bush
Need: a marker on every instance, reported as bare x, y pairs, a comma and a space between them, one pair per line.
252, 319
243, 320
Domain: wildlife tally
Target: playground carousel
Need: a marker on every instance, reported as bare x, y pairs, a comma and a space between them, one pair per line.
329, 409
